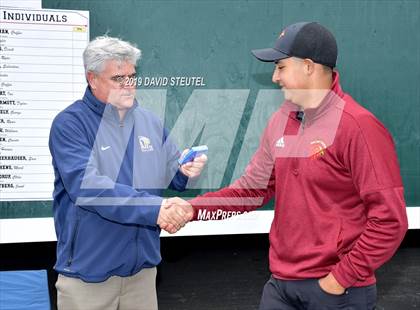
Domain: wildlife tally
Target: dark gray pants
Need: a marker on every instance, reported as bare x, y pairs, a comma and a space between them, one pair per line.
308, 295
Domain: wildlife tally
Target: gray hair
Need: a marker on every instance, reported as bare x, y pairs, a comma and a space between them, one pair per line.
105, 48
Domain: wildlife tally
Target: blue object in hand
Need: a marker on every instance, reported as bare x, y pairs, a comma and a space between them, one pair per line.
194, 152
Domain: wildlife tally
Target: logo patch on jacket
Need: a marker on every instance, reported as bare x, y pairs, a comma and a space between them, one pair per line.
145, 144
280, 143
317, 149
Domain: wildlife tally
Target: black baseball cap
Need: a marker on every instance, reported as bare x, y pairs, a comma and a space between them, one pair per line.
303, 40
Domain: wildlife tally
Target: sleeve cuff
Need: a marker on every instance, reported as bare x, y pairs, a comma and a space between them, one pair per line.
179, 182
195, 208
343, 277
154, 204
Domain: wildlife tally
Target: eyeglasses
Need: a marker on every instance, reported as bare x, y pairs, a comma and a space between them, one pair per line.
125, 80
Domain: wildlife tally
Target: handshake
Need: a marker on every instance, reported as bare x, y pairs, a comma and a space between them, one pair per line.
174, 214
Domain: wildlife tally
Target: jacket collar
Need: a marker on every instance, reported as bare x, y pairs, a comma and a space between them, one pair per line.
330, 99
100, 107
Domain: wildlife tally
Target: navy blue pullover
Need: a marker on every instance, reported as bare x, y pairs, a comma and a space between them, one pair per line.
109, 178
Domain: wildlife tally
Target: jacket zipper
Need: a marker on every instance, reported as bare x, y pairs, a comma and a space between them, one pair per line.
295, 160
303, 122
121, 125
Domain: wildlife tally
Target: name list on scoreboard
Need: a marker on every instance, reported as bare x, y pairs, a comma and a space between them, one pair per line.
41, 73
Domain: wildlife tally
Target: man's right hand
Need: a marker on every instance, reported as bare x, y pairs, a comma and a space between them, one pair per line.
174, 214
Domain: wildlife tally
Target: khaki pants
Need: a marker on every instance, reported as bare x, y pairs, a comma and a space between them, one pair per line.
137, 292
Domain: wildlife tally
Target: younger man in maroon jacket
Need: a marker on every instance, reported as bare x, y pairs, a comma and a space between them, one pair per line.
332, 169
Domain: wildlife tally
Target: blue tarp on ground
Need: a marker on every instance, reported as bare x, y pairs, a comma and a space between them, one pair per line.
24, 290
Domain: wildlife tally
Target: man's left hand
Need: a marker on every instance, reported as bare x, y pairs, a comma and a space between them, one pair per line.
193, 169
330, 285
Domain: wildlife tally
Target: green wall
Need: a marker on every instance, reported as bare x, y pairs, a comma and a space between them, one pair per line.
379, 58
